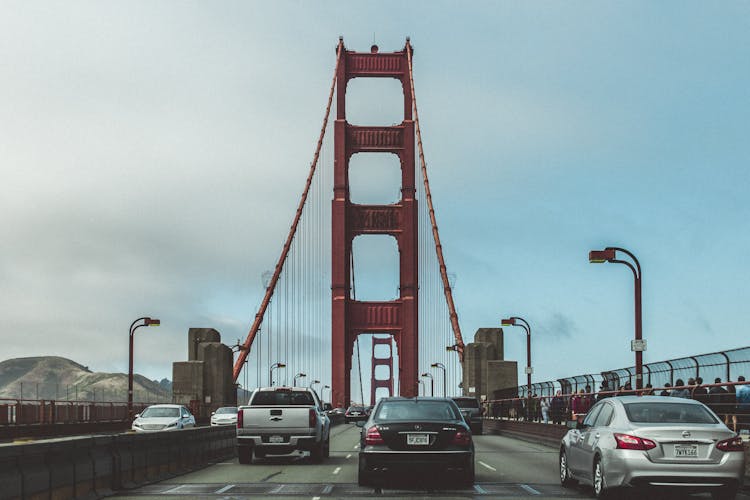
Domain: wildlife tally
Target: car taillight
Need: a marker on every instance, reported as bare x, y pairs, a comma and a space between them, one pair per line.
731, 444
313, 418
628, 442
239, 419
373, 436
461, 438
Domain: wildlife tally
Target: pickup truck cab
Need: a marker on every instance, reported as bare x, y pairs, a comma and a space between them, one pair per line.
281, 420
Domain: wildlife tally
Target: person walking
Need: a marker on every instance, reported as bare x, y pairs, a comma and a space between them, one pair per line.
557, 407
680, 391
699, 392
717, 398
743, 404
544, 405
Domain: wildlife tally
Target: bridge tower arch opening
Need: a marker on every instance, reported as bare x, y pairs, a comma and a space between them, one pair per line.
351, 317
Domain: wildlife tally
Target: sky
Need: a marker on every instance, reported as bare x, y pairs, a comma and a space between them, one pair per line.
152, 155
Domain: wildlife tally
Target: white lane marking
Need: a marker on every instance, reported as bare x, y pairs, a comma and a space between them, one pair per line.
480, 490
327, 490
529, 489
356, 446
315, 498
349, 456
338, 469
277, 490
488, 466
224, 489
176, 488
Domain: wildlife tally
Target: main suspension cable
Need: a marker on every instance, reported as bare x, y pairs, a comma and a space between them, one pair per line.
287, 245
459, 347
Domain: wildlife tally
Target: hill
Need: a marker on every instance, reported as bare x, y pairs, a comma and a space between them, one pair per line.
53, 377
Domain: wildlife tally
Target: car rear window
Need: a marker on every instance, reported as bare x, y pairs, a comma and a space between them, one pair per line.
160, 412
467, 403
669, 413
226, 409
417, 410
283, 398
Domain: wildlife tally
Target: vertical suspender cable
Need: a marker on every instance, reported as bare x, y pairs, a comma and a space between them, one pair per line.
285, 250
436, 236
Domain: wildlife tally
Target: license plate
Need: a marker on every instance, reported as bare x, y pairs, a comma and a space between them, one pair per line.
417, 439
689, 451
276, 439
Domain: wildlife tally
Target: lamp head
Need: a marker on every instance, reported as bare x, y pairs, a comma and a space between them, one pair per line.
434, 365
151, 322
599, 256
507, 322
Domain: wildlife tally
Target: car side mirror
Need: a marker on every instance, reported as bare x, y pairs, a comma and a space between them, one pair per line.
213, 413
360, 423
137, 415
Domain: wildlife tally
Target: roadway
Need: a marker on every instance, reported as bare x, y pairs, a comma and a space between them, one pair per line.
505, 468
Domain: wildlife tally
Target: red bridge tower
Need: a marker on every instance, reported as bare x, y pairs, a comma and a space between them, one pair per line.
351, 317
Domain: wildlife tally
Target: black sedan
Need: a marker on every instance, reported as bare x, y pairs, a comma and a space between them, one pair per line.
416, 437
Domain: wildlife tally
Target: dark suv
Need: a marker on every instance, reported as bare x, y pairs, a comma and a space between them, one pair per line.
470, 406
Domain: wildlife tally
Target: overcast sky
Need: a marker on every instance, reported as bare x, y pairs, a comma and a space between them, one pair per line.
152, 155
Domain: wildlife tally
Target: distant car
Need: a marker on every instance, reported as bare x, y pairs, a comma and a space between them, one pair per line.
422, 437
226, 415
163, 418
355, 413
336, 415
653, 442
470, 407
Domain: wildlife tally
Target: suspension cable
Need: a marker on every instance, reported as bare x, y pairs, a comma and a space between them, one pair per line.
287, 245
438, 247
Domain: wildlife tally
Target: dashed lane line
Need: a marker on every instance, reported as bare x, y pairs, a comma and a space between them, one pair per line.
349, 456
480, 490
175, 489
487, 466
529, 489
224, 489
338, 469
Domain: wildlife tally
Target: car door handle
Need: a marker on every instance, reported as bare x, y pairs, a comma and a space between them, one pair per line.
275, 419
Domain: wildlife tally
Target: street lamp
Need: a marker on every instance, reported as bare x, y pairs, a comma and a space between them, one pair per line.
133, 327
270, 372
442, 367
516, 321
421, 385
638, 345
323, 389
432, 382
313, 383
299, 375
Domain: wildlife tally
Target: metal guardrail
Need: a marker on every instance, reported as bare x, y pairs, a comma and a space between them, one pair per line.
18, 412
726, 365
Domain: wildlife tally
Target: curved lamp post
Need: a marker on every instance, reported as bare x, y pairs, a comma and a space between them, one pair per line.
442, 367
323, 389
313, 383
270, 372
638, 345
299, 375
133, 327
432, 382
516, 321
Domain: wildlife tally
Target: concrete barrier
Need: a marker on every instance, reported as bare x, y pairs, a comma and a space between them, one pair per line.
93, 467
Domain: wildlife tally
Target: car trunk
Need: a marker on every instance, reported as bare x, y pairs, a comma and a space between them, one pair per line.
418, 436
689, 444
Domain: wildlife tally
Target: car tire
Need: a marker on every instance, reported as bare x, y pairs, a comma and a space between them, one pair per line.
316, 453
245, 454
599, 481
364, 478
469, 475
726, 493
565, 478
327, 448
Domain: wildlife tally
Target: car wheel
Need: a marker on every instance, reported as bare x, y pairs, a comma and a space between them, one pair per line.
364, 478
726, 493
600, 481
565, 478
327, 448
316, 454
469, 475
245, 454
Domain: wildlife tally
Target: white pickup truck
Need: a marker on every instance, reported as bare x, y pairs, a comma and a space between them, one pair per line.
280, 420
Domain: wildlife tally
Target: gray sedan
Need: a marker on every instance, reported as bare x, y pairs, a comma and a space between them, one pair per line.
653, 442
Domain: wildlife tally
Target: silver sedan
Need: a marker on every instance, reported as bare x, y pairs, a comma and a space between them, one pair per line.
653, 442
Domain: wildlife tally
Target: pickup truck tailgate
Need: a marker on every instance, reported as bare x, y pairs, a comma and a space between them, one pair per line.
274, 419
